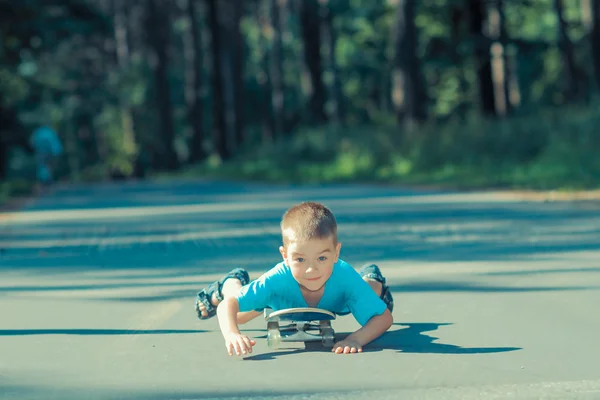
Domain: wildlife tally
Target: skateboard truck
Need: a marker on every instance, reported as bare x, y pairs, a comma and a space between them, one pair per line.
304, 325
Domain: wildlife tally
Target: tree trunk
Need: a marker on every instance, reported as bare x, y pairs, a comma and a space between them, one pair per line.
457, 14
238, 71
565, 45
4, 123
310, 23
408, 89
595, 38
219, 125
122, 53
276, 70
264, 78
158, 33
331, 36
194, 97
500, 77
229, 22
483, 66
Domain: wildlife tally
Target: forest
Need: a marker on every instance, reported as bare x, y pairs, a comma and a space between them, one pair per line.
463, 93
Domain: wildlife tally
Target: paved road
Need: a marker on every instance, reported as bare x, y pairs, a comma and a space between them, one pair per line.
495, 297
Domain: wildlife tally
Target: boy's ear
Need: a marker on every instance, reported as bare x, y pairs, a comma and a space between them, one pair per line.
283, 252
338, 247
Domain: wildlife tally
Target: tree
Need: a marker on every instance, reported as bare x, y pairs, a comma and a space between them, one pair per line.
276, 70
158, 29
483, 66
238, 70
195, 82
265, 94
310, 23
572, 90
219, 127
121, 34
595, 38
331, 39
499, 64
408, 88
29, 28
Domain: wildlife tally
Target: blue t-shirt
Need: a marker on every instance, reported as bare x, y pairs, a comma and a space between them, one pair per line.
345, 292
45, 141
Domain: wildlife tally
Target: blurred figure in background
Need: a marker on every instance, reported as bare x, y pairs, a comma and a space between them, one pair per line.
47, 147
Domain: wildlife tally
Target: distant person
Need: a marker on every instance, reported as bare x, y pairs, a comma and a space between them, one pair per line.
311, 274
47, 147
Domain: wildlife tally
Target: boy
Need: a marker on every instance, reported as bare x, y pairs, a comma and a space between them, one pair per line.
311, 275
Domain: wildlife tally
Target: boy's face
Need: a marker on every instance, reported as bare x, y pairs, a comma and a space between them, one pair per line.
312, 261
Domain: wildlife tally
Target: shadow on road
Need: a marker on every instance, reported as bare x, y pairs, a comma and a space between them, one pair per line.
27, 332
410, 339
237, 224
434, 286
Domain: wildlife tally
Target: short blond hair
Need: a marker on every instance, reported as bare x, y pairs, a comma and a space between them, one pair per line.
306, 221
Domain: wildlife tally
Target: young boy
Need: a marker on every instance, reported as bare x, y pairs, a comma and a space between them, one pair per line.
311, 275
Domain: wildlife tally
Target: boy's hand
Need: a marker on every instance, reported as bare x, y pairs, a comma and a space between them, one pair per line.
347, 346
239, 344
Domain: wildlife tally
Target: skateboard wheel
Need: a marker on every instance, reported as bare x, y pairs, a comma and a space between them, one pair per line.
328, 341
328, 337
273, 339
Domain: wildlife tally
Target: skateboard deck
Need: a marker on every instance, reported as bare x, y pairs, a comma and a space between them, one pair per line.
304, 324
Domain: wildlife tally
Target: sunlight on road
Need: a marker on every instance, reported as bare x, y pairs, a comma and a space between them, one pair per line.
25, 217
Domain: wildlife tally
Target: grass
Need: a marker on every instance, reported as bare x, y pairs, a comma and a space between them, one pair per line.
545, 151
548, 150
15, 188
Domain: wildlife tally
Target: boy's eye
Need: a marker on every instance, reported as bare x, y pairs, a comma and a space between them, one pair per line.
300, 259
322, 258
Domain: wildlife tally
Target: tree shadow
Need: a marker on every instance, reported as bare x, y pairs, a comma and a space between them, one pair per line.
85, 332
410, 339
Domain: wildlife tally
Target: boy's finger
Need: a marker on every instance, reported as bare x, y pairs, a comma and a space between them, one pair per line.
248, 344
237, 348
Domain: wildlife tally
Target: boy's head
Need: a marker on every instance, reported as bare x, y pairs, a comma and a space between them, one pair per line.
307, 221
310, 245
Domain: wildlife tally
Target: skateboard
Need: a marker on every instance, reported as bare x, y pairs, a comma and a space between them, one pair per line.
301, 323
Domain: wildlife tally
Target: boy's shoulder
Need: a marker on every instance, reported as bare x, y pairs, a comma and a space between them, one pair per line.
342, 267
345, 276
275, 274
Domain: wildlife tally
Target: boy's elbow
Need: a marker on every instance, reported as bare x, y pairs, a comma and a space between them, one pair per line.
388, 318
227, 305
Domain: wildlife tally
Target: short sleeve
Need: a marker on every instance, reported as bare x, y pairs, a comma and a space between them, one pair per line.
362, 301
254, 296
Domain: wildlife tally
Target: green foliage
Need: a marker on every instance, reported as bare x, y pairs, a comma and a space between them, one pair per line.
14, 188
542, 151
57, 64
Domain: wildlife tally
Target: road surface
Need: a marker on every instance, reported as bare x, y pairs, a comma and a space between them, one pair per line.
495, 297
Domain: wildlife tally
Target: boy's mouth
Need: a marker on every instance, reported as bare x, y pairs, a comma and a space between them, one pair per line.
313, 279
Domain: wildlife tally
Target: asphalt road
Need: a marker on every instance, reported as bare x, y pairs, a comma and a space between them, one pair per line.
495, 297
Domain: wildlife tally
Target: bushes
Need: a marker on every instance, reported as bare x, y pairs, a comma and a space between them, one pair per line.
547, 150
14, 188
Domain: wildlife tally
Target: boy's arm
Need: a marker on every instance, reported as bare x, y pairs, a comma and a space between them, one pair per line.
376, 326
227, 315
227, 312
